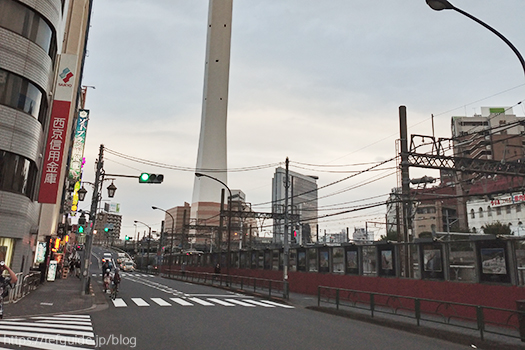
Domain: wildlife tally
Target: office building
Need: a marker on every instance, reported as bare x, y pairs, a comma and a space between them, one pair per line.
302, 203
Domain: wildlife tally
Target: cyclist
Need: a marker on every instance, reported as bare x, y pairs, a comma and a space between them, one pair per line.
107, 279
115, 282
116, 278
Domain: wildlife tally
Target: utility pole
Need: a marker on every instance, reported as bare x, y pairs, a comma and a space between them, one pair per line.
286, 224
405, 186
99, 176
221, 222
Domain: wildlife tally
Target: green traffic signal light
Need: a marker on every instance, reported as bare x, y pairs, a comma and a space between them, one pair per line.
147, 178
144, 177
106, 229
126, 238
81, 229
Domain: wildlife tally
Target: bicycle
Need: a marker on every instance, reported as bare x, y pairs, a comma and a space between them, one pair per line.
114, 290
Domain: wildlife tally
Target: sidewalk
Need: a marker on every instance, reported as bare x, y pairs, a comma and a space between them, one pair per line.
59, 296
454, 334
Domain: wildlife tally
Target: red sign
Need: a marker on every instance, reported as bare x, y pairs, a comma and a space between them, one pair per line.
56, 141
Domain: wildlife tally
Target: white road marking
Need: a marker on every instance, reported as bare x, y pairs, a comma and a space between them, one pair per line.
42, 333
220, 302
202, 302
181, 302
277, 304
140, 302
119, 302
258, 303
239, 302
161, 301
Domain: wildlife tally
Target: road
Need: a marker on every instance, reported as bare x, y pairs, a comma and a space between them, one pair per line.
156, 313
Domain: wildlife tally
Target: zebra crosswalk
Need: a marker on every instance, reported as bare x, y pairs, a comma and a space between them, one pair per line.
68, 332
125, 274
193, 301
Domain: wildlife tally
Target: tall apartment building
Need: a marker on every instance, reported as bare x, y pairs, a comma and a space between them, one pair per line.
495, 134
302, 201
39, 79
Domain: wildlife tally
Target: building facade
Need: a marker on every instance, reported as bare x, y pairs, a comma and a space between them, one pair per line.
302, 201
495, 134
32, 48
508, 209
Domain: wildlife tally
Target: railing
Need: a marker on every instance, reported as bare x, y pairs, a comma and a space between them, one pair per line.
270, 288
483, 319
24, 285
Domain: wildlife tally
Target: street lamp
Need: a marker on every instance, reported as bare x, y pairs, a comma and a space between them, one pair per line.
172, 232
111, 190
439, 5
149, 240
229, 217
82, 192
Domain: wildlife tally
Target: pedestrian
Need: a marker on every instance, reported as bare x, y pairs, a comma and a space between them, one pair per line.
77, 267
5, 283
72, 266
217, 269
11, 279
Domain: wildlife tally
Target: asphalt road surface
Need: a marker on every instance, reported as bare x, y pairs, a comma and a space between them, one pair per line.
151, 312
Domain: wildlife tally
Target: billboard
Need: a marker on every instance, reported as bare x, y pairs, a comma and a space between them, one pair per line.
57, 133
77, 152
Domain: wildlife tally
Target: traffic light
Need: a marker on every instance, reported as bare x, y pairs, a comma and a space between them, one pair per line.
106, 229
81, 223
147, 178
126, 238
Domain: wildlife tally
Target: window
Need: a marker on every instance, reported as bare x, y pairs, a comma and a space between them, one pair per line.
498, 210
17, 174
507, 209
480, 212
472, 214
28, 23
19, 93
518, 207
489, 211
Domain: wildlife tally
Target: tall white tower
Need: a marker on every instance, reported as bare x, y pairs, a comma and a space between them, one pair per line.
212, 154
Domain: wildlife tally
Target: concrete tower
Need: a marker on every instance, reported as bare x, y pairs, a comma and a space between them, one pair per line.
211, 158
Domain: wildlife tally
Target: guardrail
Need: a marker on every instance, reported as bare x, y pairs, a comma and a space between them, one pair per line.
236, 283
24, 285
483, 319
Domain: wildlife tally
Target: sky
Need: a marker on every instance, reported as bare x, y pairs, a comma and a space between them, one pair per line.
319, 82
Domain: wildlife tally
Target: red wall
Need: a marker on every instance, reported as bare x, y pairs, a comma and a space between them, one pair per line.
500, 296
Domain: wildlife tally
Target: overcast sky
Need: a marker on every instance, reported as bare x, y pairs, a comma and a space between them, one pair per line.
319, 82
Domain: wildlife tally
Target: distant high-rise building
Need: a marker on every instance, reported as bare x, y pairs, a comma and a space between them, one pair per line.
302, 201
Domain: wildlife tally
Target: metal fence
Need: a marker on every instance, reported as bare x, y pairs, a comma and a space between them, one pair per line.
24, 285
482, 319
260, 286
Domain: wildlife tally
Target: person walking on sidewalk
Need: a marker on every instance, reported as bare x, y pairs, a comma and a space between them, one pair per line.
5, 282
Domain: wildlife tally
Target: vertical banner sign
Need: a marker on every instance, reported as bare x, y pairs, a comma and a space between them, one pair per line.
57, 134
79, 140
